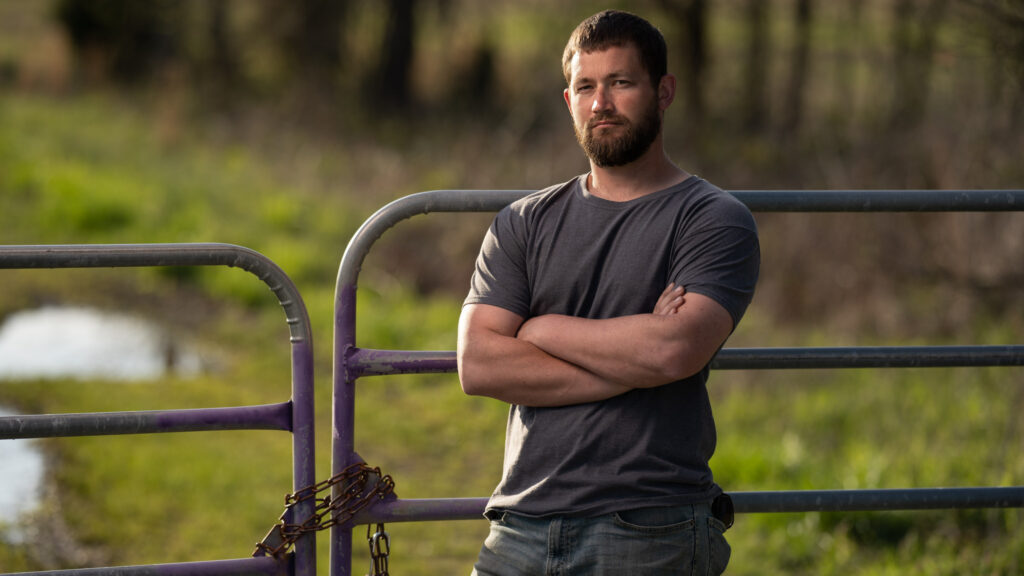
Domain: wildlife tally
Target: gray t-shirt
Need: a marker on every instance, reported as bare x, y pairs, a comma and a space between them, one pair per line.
565, 251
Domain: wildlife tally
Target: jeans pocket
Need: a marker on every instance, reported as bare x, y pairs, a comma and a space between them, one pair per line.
719, 550
653, 521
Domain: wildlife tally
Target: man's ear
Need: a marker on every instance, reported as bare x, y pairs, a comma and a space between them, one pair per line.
666, 91
568, 100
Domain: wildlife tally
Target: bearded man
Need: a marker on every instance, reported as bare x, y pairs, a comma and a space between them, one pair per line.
594, 310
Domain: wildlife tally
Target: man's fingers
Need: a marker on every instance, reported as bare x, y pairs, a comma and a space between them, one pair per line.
670, 300
670, 307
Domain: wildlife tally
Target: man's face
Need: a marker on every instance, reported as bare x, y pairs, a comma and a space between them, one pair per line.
615, 109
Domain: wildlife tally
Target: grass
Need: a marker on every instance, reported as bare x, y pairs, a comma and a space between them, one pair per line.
95, 170
876, 429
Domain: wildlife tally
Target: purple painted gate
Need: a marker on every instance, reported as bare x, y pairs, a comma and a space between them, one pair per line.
352, 363
294, 415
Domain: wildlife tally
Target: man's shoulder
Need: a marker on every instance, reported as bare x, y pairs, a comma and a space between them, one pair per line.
544, 197
717, 205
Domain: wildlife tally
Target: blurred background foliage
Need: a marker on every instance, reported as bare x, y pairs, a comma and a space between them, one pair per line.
282, 125
373, 100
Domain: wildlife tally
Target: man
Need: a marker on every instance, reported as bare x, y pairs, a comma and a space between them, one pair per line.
594, 310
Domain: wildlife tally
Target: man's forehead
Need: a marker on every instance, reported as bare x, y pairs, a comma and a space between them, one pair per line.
624, 58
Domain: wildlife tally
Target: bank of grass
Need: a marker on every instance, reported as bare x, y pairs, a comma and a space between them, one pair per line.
874, 429
93, 171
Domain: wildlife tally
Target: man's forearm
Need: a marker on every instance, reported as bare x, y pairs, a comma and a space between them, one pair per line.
500, 366
634, 351
639, 351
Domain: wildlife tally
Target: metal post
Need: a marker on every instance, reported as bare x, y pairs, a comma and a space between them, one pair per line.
343, 421
347, 366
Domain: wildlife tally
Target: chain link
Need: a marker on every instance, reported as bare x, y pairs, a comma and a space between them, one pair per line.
380, 548
358, 486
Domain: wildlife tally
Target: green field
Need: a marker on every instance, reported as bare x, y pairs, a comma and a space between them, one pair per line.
201, 496
95, 162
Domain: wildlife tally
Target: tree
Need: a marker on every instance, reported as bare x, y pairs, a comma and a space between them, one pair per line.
755, 103
692, 16
313, 43
853, 18
1003, 22
799, 65
124, 40
218, 68
393, 87
915, 27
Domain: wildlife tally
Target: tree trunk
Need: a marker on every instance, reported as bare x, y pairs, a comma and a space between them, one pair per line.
914, 36
799, 64
692, 16
316, 44
846, 69
131, 41
755, 104
394, 87
1003, 21
219, 71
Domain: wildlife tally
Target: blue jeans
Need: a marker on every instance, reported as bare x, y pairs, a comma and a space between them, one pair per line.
646, 541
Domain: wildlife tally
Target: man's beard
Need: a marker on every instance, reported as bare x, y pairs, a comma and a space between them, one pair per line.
608, 152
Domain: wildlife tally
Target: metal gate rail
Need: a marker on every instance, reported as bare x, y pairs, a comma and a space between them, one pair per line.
295, 415
352, 362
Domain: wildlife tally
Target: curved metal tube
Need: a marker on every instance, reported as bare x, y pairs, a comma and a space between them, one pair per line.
192, 254
300, 409
350, 362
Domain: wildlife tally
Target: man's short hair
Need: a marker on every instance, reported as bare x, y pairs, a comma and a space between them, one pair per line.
616, 28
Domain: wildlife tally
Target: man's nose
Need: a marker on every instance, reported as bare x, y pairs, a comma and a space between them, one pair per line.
602, 103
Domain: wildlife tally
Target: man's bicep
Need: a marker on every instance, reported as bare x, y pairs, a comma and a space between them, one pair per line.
725, 268
486, 339
702, 325
490, 318
709, 310
500, 273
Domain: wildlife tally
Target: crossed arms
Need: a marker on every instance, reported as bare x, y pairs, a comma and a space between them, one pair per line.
555, 360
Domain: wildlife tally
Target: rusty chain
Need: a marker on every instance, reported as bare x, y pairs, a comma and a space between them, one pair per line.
380, 548
358, 486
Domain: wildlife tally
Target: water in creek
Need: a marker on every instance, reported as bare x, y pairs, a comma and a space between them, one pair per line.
21, 481
72, 343
84, 343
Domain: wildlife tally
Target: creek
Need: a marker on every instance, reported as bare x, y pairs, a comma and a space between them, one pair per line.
72, 343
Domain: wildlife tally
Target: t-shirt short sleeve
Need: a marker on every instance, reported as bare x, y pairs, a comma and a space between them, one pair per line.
500, 277
720, 260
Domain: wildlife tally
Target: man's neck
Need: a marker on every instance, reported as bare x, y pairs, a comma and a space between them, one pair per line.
648, 174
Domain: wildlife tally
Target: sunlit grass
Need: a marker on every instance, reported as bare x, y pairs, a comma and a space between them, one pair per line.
91, 172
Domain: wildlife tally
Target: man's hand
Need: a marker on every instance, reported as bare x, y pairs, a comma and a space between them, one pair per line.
670, 300
493, 362
674, 341
672, 297
555, 360
668, 304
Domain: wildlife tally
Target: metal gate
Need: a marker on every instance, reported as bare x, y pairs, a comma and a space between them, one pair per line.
352, 363
294, 415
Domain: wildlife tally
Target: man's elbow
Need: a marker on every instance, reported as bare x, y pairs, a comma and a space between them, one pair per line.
470, 386
471, 378
679, 363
